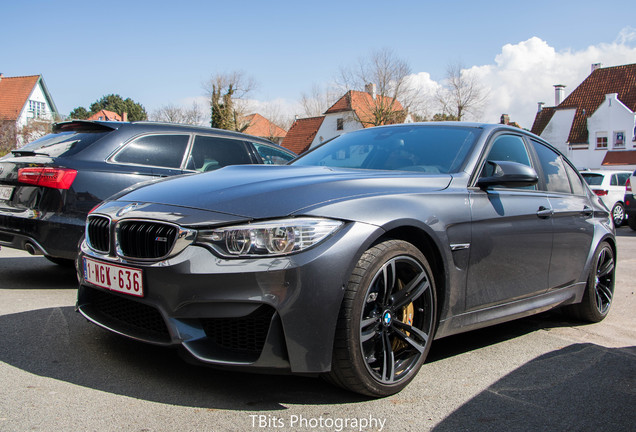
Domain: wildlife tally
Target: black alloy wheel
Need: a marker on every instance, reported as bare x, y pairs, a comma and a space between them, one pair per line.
599, 290
604, 280
387, 321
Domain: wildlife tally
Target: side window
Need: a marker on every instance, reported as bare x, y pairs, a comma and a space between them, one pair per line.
155, 150
575, 181
554, 174
614, 180
509, 148
272, 155
211, 153
622, 179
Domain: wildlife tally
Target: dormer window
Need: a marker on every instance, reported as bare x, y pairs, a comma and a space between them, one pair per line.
340, 124
37, 108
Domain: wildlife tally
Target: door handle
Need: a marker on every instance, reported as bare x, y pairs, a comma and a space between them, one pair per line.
545, 213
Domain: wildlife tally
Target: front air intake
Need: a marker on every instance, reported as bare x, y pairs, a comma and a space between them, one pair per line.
98, 233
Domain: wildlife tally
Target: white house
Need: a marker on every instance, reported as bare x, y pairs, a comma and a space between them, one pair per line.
25, 98
355, 110
595, 126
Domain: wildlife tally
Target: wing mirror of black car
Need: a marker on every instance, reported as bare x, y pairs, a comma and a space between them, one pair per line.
507, 174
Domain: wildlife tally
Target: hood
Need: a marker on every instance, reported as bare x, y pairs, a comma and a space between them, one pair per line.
264, 191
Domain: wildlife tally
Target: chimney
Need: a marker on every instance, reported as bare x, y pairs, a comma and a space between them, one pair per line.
505, 119
124, 117
559, 91
596, 66
371, 89
540, 106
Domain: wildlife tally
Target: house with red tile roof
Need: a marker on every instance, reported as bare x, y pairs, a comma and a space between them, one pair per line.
595, 125
24, 99
261, 127
355, 110
105, 115
302, 133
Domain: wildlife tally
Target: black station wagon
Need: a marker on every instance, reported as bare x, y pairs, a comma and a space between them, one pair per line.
48, 186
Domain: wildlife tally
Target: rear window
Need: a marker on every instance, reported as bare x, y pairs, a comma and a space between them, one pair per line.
62, 143
593, 179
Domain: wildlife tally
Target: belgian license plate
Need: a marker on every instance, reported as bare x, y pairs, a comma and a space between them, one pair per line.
6, 192
114, 277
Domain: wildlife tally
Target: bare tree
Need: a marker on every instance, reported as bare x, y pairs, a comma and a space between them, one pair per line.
177, 114
228, 99
274, 114
390, 76
462, 93
318, 100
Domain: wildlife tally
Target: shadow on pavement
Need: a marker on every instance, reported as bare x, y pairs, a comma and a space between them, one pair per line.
582, 387
476, 339
60, 344
35, 273
625, 232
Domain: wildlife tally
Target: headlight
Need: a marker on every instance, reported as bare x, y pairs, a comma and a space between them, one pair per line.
278, 237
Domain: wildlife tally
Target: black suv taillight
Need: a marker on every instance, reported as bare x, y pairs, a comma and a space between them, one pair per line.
56, 178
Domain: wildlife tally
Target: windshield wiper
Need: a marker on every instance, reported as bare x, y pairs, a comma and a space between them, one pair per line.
27, 153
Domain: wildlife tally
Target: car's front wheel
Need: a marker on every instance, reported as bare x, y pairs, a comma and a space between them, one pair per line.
387, 320
618, 214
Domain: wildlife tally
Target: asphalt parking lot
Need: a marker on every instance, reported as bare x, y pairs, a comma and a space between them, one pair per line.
543, 373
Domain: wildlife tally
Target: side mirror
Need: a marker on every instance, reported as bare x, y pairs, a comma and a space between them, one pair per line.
509, 174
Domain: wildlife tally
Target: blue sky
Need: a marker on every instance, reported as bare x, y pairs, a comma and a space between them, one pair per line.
160, 52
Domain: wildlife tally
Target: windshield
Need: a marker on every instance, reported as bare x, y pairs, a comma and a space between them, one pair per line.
593, 179
61, 143
426, 149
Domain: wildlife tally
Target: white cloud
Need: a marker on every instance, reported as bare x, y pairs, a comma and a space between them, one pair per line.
521, 75
524, 74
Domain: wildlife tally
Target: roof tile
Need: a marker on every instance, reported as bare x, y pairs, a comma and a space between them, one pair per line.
262, 127
302, 133
14, 93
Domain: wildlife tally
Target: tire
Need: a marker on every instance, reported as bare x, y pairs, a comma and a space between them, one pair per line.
631, 221
618, 214
599, 290
383, 335
62, 262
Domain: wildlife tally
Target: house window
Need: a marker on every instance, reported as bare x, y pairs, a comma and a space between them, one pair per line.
37, 108
619, 139
601, 141
339, 124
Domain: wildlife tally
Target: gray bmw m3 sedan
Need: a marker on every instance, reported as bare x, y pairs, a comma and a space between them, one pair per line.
348, 262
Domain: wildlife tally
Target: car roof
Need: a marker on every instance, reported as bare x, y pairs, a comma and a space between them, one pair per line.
603, 171
150, 126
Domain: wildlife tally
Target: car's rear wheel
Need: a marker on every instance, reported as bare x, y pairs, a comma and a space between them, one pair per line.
618, 214
599, 290
387, 320
631, 220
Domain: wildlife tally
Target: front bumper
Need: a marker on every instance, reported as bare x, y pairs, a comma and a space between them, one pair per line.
266, 313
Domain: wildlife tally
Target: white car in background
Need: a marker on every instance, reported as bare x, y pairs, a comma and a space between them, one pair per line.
609, 185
